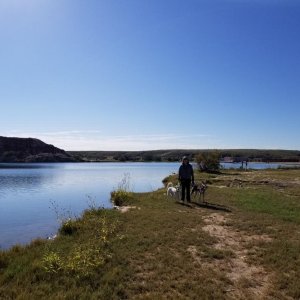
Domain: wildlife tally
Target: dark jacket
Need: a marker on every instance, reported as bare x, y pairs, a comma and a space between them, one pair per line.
186, 172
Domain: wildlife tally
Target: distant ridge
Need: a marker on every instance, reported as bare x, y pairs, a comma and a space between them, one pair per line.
14, 149
263, 155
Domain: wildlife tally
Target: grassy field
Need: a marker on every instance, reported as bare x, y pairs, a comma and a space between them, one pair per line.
243, 244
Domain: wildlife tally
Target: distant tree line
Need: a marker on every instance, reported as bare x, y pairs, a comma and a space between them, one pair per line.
193, 155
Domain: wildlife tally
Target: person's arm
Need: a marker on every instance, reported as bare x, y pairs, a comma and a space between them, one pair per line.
192, 174
179, 174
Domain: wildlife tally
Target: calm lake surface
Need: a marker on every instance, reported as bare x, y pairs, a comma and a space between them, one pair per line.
34, 197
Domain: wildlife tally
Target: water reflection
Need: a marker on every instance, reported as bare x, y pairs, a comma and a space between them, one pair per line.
25, 166
20, 182
26, 193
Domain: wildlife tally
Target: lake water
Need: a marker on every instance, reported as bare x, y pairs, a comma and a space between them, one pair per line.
32, 196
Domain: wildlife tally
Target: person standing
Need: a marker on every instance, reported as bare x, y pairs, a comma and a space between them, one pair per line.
186, 177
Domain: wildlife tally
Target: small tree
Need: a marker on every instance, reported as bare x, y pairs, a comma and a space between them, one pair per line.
208, 161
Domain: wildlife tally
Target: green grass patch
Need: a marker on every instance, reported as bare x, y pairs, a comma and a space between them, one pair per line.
269, 202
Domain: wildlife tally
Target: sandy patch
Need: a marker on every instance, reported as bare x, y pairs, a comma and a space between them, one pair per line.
124, 209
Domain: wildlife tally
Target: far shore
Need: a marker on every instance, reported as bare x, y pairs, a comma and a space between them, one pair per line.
147, 161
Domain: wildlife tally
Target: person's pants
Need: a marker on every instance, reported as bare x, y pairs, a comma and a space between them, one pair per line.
185, 189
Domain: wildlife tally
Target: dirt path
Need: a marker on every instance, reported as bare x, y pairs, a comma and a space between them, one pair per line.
247, 281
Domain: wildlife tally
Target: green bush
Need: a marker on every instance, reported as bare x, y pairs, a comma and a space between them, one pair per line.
52, 262
83, 259
69, 227
122, 195
208, 161
3, 260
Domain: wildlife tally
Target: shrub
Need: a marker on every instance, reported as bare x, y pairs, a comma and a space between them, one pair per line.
208, 161
52, 262
69, 227
122, 195
3, 260
86, 257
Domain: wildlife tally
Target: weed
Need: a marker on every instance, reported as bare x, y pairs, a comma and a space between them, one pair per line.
69, 227
52, 262
84, 258
122, 195
3, 260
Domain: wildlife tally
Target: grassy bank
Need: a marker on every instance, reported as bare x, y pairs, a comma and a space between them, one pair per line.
243, 244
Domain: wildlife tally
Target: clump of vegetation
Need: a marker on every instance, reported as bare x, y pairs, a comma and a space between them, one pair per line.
69, 227
52, 262
208, 161
81, 262
83, 259
122, 195
3, 260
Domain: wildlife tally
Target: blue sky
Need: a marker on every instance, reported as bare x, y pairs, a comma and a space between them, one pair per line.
151, 74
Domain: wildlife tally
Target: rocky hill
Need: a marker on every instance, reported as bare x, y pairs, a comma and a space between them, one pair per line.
30, 150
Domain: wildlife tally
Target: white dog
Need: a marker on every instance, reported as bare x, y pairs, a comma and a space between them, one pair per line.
171, 190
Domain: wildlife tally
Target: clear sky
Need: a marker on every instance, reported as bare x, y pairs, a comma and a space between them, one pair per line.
151, 74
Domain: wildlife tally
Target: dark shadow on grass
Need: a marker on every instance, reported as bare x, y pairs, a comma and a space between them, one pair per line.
205, 204
189, 205
213, 206
226, 173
